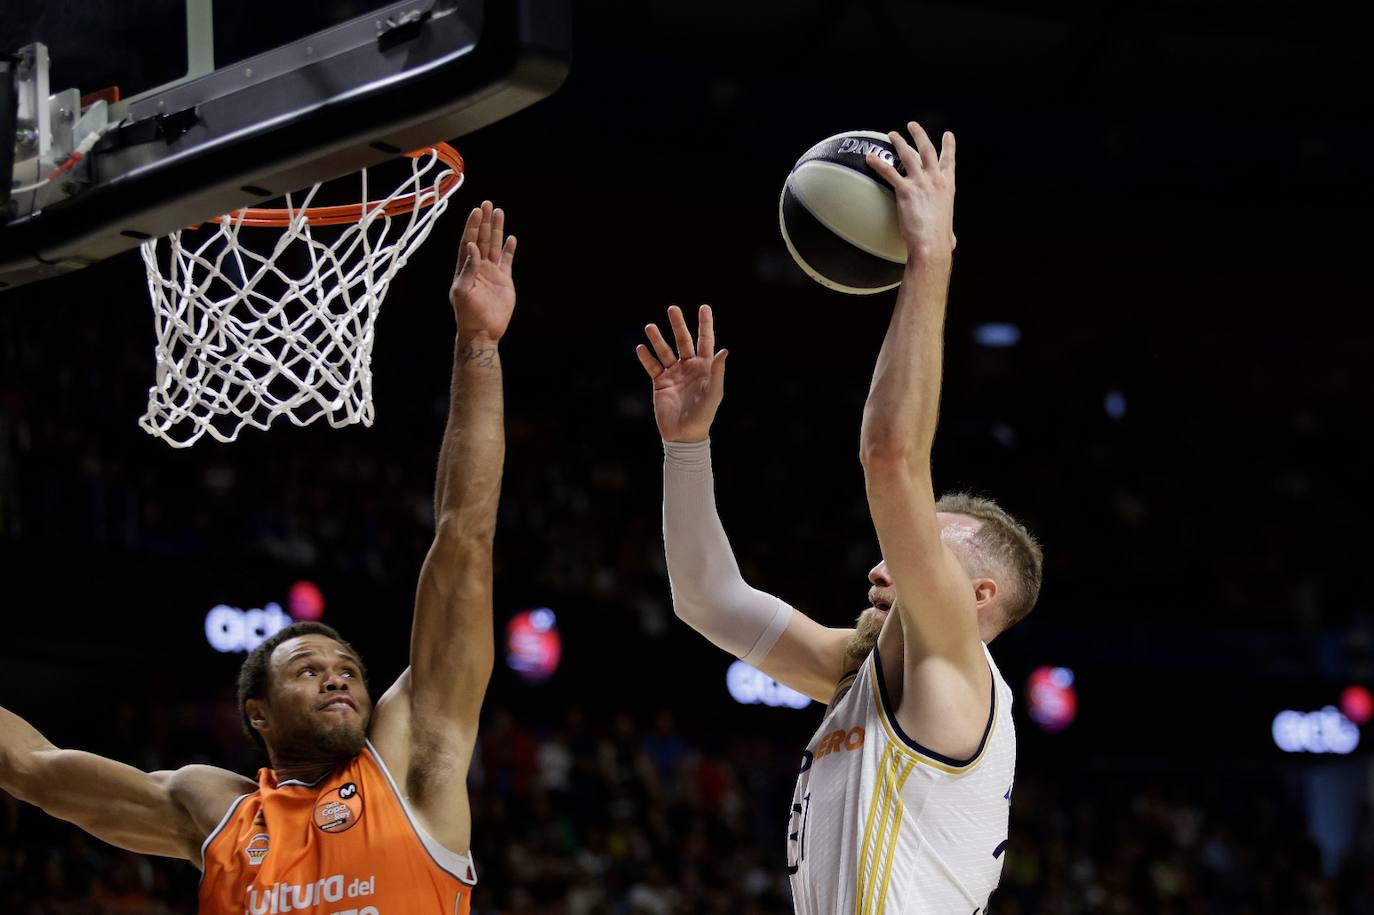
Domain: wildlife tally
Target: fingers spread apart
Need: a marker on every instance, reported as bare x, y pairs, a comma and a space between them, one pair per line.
661, 347
661, 357
681, 335
646, 359
929, 158
923, 159
947, 152
484, 238
911, 160
706, 331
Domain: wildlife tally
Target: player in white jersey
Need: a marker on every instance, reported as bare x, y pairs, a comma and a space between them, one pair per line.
902, 801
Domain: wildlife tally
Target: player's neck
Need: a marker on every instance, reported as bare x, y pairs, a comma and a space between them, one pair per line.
291, 767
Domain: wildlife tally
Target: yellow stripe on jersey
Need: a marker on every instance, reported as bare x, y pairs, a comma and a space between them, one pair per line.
894, 773
866, 848
891, 805
892, 841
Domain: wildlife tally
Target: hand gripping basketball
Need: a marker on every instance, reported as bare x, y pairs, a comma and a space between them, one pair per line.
688, 384
925, 194
483, 293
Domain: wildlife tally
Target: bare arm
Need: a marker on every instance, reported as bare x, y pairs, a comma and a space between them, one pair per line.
809, 657
934, 596
709, 593
426, 724
165, 813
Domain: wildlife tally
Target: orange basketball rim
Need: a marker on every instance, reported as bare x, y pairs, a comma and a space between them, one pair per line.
397, 205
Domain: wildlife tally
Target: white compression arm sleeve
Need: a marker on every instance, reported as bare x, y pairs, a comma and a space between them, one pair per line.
709, 594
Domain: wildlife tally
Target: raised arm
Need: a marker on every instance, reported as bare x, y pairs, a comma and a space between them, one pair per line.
709, 593
935, 597
165, 813
427, 723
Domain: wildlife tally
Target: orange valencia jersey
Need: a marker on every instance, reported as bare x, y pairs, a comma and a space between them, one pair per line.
346, 845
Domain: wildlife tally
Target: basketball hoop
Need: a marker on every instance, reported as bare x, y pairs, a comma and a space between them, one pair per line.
244, 338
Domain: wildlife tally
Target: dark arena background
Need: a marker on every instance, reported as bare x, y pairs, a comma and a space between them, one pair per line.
1158, 352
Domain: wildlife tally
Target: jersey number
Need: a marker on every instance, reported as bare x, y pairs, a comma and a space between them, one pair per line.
797, 831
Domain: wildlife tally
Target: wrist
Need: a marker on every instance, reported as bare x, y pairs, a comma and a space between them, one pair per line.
688, 455
929, 255
475, 351
686, 440
476, 338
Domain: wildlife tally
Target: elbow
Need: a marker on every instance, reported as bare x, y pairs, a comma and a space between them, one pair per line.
688, 607
682, 608
888, 435
892, 467
886, 449
892, 441
688, 613
21, 778
454, 534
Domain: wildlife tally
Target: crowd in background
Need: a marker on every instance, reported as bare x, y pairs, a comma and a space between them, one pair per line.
616, 814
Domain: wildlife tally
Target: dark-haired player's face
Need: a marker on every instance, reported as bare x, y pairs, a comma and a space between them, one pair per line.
318, 703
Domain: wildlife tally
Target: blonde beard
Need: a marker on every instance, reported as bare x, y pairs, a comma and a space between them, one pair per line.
866, 630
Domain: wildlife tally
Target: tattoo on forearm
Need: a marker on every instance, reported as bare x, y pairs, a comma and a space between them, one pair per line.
483, 356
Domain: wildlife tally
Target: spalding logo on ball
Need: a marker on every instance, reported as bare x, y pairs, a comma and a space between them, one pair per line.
839, 217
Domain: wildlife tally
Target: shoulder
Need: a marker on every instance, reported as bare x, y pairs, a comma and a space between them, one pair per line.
205, 793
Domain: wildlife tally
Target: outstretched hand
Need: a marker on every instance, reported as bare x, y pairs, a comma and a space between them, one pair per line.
483, 293
925, 194
688, 384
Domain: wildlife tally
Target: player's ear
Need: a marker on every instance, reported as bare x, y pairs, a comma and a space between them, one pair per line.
257, 713
984, 591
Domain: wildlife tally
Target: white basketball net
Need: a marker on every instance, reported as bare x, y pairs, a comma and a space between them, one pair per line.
245, 338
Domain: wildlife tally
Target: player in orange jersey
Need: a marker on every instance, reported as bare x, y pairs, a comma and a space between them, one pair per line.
364, 810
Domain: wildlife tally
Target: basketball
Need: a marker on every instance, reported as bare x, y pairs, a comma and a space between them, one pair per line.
839, 217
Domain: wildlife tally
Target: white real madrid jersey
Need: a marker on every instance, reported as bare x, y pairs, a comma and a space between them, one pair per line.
882, 826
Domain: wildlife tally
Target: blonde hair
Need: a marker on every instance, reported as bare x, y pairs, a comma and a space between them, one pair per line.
1002, 544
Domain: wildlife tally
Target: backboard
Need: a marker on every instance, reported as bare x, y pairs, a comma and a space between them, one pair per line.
192, 108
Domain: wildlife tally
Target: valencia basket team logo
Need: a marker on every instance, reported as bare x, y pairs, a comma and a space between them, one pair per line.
257, 848
338, 809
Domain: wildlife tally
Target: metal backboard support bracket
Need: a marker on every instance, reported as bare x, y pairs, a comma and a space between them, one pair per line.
349, 97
